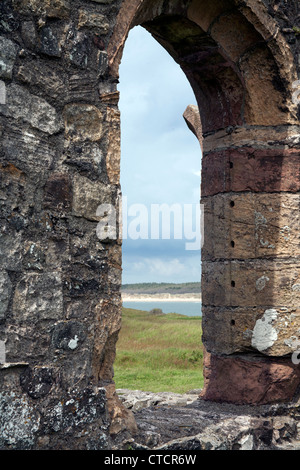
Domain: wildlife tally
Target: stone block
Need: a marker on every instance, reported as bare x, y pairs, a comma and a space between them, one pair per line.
12, 184
250, 169
49, 42
266, 96
252, 137
29, 34
88, 195
42, 76
269, 331
5, 293
21, 104
113, 156
84, 156
11, 247
251, 225
83, 122
93, 20
17, 412
79, 53
27, 151
8, 52
58, 193
249, 379
251, 283
235, 34
204, 13
50, 8
82, 87
38, 297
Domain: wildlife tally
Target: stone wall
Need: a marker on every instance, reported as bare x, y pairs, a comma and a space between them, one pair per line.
60, 308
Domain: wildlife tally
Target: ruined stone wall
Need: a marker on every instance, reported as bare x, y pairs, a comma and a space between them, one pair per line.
60, 303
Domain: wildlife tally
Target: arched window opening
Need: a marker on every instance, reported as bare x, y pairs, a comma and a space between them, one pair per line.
160, 183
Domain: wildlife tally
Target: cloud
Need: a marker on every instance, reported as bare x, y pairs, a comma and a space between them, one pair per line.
156, 269
160, 157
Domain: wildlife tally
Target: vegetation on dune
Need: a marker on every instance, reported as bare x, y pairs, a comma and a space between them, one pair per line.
161, 352
162, 288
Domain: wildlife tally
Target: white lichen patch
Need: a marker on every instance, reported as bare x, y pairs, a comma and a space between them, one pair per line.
18, 421
293, 343
264, 334
73, 343
285, 232
261, 282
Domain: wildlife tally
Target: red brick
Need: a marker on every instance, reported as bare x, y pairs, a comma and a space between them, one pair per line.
248, 169
249, 380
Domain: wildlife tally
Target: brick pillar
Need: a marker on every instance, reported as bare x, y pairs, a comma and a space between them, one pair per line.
250, 264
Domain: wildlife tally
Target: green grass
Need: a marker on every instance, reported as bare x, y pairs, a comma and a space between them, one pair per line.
159, 352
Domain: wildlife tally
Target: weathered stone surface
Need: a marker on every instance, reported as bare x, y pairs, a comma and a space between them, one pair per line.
28, 152
29, 34
102, 1
266, 100
82, 87
34, 110
12, 181
193, 120
5, 293
38, 297
270, 331
83, 122
58, 192
68, 335
114, 146
37, 382
11, 247
136, 400
249, 137
87, 196
251, 283
8, 52
79, 52
19, 414
50, 8
251, 225
235, 34
204, 425
43, 77
249, 169
122, 419
92, 20
204, 14
49, 42
86, 157
249, 380
34, 257
61, 314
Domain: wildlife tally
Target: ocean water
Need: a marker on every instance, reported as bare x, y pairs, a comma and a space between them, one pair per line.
190, 309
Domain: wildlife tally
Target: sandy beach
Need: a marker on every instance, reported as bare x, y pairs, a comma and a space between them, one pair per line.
161, 297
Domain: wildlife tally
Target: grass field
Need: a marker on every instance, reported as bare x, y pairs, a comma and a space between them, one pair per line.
159, 352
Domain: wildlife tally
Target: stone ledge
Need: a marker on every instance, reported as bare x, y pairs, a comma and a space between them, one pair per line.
10, 365
137, 399
206, 425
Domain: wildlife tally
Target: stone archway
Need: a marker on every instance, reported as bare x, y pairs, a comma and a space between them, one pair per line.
60, 310
233, 53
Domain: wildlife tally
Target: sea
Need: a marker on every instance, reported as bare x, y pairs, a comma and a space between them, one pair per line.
190, 309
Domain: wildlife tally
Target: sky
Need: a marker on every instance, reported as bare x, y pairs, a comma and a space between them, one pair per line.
160, 164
